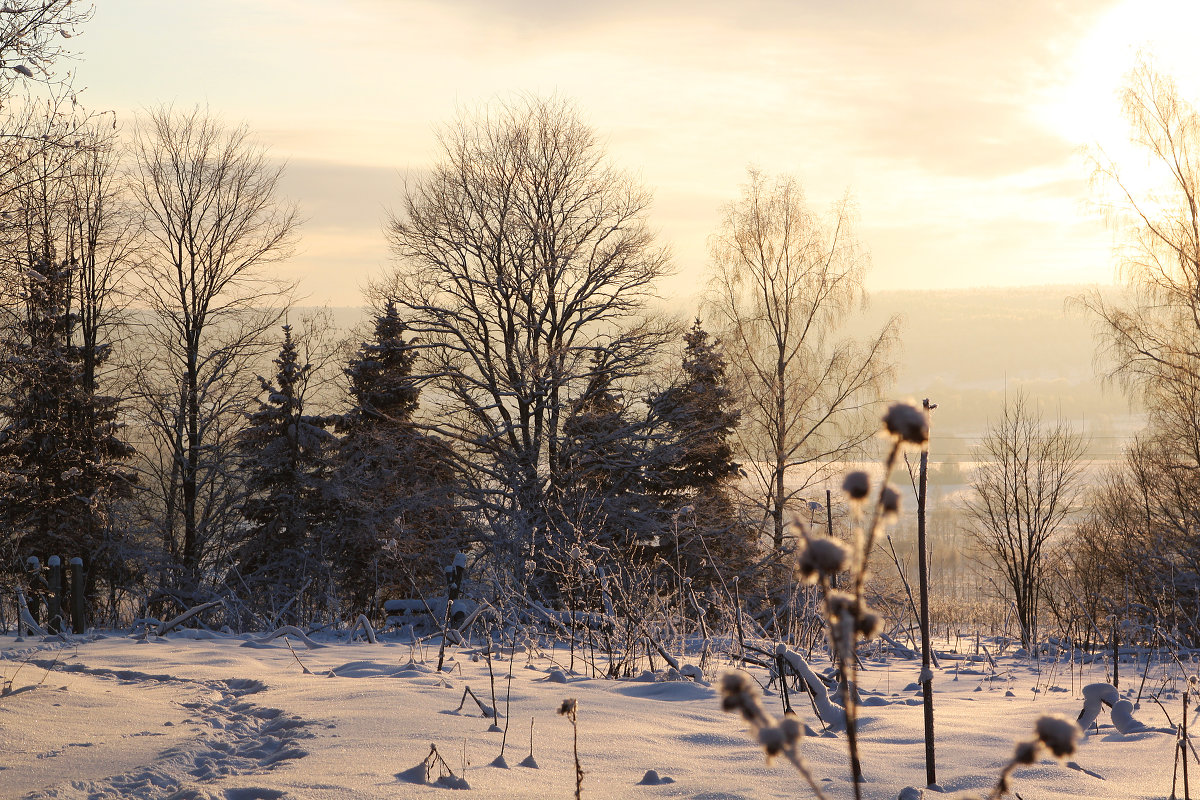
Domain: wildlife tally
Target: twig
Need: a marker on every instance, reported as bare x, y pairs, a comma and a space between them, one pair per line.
307, 671
568, 709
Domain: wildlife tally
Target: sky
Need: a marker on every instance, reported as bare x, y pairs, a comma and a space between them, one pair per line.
959, 128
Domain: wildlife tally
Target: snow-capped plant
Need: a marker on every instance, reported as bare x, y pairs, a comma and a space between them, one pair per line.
847, 616
778, 737
569, 709
1053, 732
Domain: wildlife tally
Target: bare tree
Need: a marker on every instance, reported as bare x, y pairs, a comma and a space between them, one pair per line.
40, 109
1024, 490
213, 223
33, 38
521, 256
783, 281
1150, 340
68, 206
103, 240
1150, 345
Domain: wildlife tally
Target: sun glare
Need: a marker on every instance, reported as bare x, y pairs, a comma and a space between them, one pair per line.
1086, 106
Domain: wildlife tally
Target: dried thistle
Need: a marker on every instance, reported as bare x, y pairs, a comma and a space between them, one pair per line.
778, 738
821, 557
889, 502
857, 485
907, 423
1060, 734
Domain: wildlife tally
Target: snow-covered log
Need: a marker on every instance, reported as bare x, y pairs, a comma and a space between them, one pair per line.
1120, 711
897, 648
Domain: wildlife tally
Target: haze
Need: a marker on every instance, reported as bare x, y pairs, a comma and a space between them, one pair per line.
957, 127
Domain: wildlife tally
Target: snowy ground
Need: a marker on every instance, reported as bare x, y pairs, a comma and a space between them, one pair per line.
186, 717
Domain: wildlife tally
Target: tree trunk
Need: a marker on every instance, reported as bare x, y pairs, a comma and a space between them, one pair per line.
190, 477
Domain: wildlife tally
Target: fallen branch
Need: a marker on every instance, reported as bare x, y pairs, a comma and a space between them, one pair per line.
171, 624
307, 671
287, 630
484, 708
27, 618
831, 714
368, 629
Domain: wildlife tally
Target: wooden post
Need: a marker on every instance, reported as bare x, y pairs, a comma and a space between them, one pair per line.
829, 529
54, 617
923, 574
1183, 747
78, 604
1116, 650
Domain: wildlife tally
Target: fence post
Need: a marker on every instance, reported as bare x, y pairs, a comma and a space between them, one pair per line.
33, 572
54, 621
78, 604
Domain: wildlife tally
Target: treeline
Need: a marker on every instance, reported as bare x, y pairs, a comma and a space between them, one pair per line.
516, 399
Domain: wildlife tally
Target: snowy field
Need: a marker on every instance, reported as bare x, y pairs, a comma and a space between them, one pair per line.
202, 715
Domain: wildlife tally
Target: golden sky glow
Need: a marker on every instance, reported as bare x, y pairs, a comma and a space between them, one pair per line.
956, 125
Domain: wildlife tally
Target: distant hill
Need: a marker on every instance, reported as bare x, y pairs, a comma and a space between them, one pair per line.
964, 348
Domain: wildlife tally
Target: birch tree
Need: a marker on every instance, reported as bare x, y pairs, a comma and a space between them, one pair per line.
783, 280
1023, 494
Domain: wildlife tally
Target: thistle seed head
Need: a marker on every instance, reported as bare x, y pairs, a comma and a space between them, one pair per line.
793, 731
857, 485
739, 693
907, 423
1060, 734
821, 556
889, 499
1027, 752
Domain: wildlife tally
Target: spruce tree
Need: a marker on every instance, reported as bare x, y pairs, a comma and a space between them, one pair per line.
692, 467
61, 455
279, 569
397, 524
602, 488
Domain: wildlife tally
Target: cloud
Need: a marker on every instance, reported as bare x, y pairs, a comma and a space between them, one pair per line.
942, 84
926, 110
337, 195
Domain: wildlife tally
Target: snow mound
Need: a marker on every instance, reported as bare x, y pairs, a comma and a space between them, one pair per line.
652, 778
367, 669
1096, 695
674, 691
1122, 718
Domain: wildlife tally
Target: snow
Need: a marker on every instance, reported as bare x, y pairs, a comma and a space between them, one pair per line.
192, 717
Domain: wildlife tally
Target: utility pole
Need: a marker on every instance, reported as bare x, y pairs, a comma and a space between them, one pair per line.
923, 573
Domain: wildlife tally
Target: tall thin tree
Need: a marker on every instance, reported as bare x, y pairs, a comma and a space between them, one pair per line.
214, 223
783, 281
